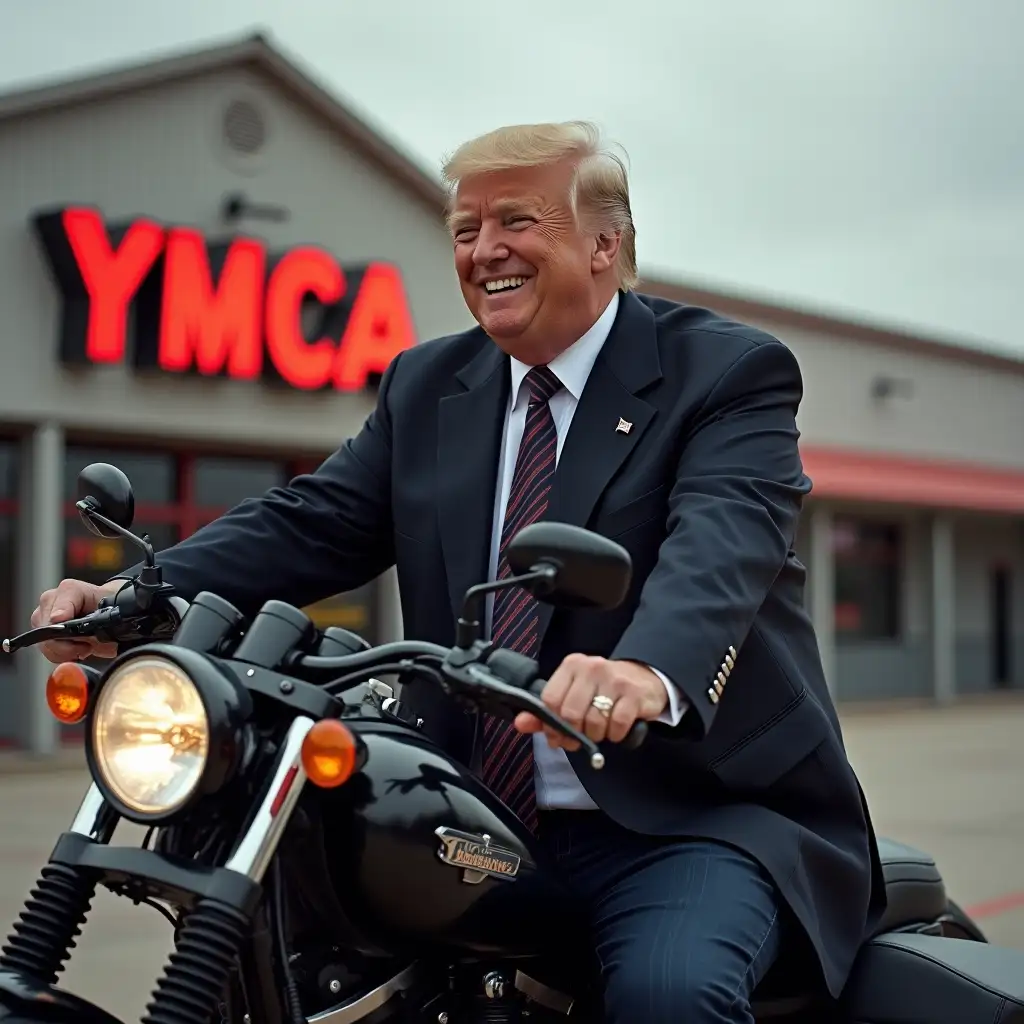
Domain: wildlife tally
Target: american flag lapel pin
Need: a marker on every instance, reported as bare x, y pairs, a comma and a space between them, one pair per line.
624, 426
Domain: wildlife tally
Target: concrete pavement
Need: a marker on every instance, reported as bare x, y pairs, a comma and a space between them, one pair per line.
950, 781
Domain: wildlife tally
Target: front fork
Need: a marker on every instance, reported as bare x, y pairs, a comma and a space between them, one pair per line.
212, 934
45, 932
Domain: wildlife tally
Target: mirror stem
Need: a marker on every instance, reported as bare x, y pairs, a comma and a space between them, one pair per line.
540, 581
87, 508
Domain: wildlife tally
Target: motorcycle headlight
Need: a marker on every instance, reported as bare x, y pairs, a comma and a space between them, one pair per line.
161, 736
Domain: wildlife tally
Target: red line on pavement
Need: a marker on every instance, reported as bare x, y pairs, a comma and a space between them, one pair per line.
998, 905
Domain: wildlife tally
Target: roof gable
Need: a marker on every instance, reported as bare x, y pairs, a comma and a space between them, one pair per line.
252, 51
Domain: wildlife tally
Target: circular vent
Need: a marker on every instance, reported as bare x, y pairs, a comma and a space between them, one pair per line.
245, 130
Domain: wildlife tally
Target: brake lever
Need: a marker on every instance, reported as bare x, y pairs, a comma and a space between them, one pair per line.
92, 625
514, 699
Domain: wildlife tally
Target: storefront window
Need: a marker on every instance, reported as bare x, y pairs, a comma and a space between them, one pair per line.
95, 559
355, 611
8, 471
868, 575
153, 474
6, 574
8, 495
221, 483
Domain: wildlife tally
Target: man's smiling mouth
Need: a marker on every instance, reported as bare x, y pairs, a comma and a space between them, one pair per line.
506, 284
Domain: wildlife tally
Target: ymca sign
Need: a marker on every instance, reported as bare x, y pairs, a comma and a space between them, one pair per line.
229, 309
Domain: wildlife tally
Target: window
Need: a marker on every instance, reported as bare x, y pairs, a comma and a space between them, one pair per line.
868, 575
8, 525
7, 529
355, 611
223, 483
174, 496
8, 471
153, 474
95, 559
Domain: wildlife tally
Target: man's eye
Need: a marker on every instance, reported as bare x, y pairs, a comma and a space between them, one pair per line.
519, 221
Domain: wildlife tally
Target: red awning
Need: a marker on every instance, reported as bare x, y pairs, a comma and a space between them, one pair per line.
871, 476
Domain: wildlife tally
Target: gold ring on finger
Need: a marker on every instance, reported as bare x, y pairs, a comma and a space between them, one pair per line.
603, 705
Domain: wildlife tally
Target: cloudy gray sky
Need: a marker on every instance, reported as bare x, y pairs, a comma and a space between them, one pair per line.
864, 157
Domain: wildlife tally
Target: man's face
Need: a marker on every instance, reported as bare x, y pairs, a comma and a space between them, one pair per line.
534, 280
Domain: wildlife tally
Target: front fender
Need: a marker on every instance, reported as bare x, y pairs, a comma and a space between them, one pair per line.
25, 1001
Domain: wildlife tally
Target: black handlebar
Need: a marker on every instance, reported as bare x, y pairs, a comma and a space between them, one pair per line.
521, 671
118, 619
497, 680
501, 681
633, 739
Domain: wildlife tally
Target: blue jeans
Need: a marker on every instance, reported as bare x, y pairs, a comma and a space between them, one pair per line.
684, 930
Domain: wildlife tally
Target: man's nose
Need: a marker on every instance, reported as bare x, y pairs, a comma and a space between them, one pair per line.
490, 246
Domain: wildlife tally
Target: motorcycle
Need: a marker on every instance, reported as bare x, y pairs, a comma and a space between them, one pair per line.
322, 860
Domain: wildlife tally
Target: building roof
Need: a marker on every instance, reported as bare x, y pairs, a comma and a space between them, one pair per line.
746, 308
256, 51
252, 51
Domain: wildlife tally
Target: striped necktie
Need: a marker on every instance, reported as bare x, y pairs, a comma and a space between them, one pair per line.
508, 754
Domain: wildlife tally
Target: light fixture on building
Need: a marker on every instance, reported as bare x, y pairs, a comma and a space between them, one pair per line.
237, 205
884, 387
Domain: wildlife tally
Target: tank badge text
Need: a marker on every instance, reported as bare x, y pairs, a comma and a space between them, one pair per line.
476, 856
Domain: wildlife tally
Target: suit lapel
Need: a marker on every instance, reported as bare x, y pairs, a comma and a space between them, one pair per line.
594, 449
470, 426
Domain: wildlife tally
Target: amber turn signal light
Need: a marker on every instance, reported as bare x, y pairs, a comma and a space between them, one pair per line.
329, 754
67, 693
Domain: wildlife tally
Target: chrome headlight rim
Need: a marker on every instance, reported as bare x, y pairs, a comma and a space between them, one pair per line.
225, 706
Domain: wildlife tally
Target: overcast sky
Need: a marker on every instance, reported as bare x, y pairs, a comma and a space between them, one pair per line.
864, 157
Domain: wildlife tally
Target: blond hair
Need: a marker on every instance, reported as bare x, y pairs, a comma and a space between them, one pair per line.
600, 187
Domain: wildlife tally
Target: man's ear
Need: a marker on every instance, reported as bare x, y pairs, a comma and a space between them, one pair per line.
606, 251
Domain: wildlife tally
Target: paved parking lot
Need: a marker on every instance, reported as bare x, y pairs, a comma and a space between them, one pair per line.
949, 781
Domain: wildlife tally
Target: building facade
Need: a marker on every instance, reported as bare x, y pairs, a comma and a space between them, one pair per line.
914, 534
205, 263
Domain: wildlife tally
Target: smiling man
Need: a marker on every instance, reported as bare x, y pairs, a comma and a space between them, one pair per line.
739, 828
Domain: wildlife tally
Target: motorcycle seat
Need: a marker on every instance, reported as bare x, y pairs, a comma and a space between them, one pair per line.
914, 888
907, 978
916, 896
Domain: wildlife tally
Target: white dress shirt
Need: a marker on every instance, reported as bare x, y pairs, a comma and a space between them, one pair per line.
557, 784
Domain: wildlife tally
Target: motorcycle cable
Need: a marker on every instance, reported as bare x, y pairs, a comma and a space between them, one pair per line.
281, 941
398, 667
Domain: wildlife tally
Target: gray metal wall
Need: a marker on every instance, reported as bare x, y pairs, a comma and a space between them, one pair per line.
956, 411
160, 154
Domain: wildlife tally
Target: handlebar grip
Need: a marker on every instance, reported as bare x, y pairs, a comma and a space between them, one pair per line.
633, 739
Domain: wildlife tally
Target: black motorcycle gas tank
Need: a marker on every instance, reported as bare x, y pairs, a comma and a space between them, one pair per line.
391, 834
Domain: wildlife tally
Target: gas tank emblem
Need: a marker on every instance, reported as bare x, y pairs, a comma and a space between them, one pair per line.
476, 855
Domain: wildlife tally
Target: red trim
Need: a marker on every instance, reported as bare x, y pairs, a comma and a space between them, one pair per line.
896, 480
8, 507
147, 513
999, 905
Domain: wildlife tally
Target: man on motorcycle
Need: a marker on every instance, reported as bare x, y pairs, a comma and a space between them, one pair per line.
739, 825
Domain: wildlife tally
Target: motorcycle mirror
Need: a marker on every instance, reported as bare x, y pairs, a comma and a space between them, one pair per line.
589, 571
104, 492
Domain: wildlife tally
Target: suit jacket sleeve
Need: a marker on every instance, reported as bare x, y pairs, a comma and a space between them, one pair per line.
733, 512
324, 533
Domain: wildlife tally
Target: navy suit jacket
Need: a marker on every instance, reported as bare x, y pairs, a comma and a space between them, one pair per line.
704, 491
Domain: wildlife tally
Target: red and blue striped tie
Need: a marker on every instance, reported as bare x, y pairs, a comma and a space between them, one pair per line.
508, 754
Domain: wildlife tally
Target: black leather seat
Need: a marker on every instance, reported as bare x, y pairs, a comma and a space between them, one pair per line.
913, 885
916, 897
908, 979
